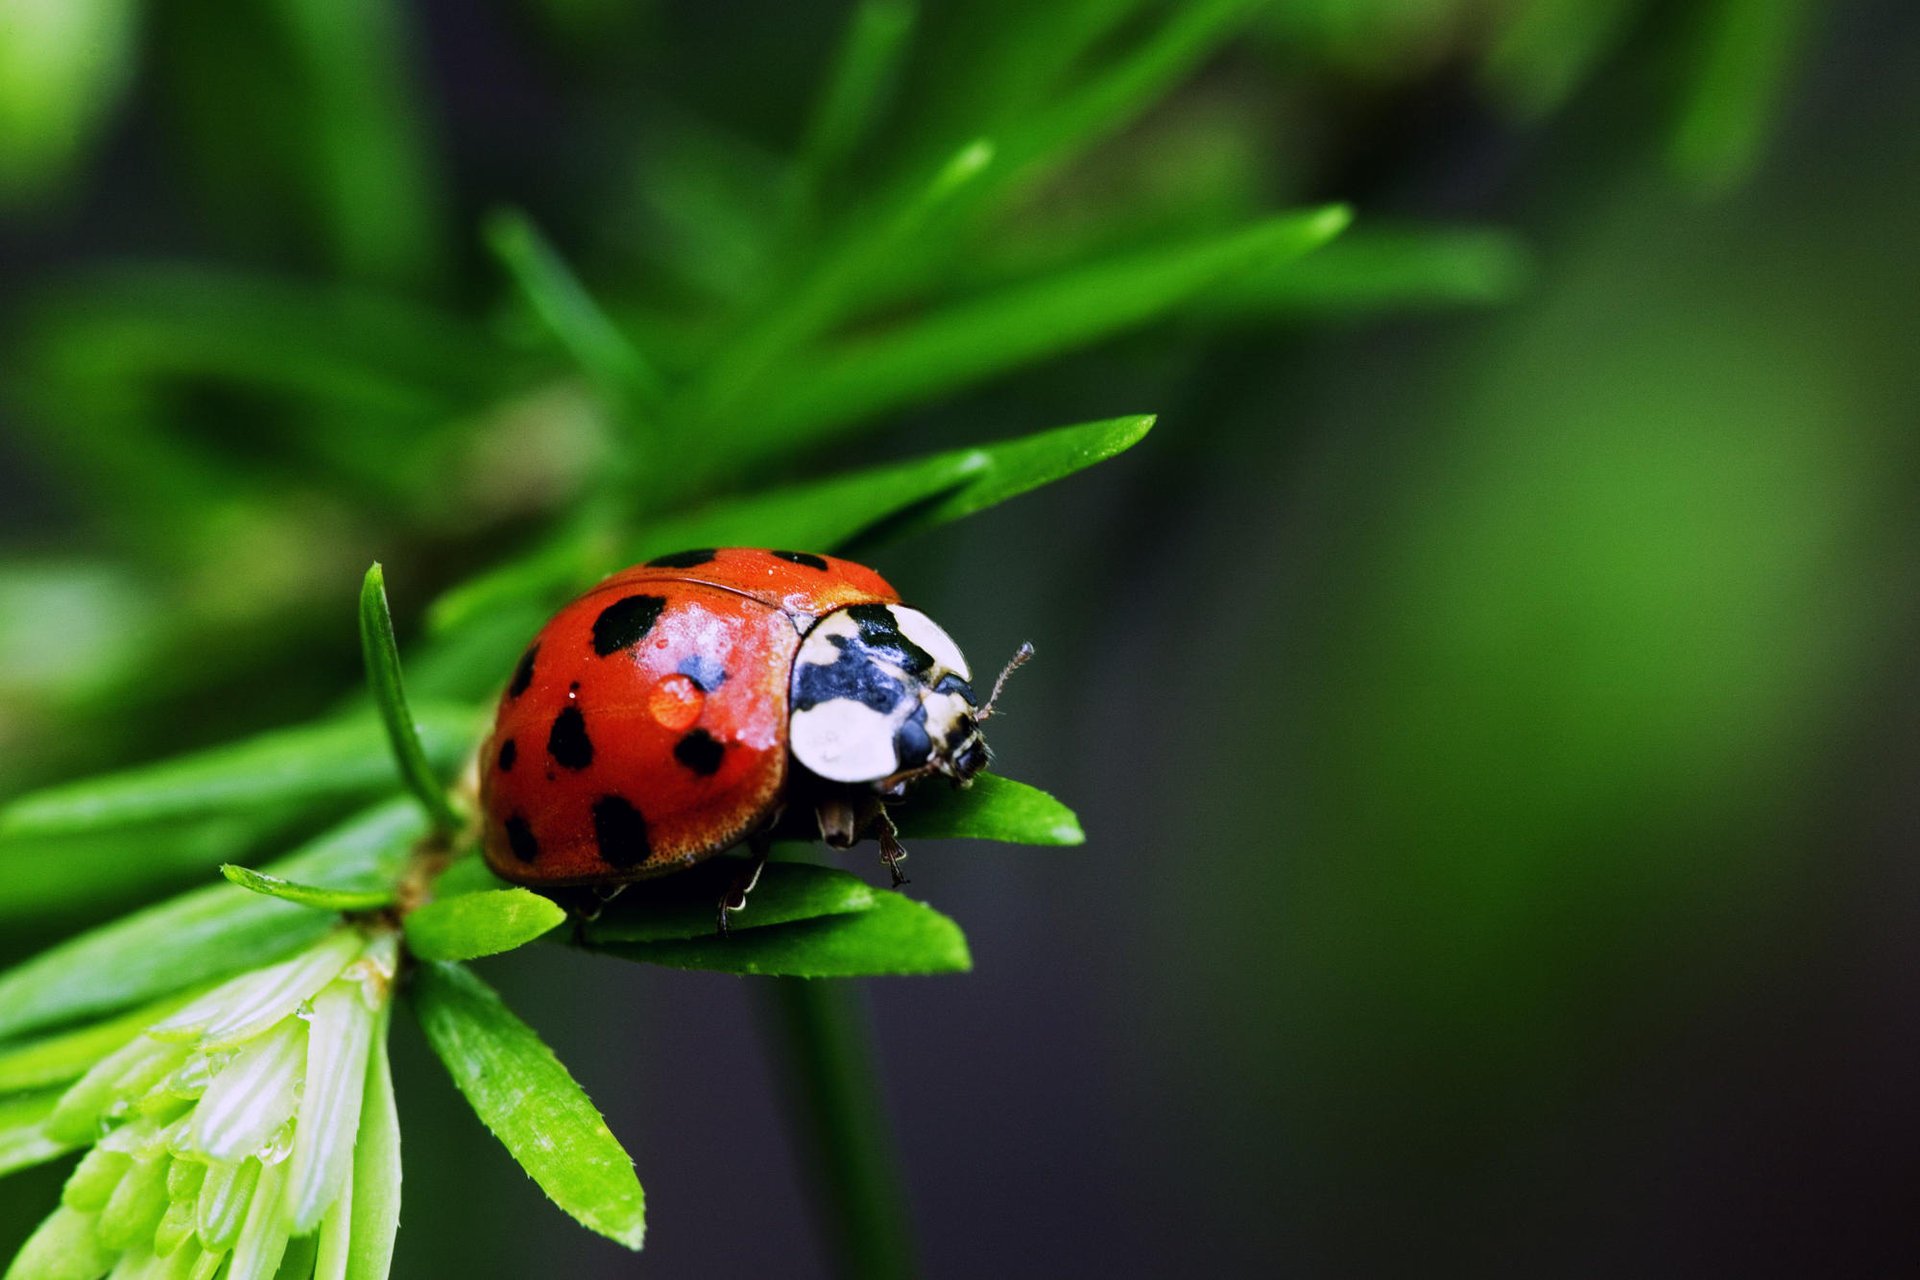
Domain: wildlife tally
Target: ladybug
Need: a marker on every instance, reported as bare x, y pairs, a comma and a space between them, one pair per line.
717, 697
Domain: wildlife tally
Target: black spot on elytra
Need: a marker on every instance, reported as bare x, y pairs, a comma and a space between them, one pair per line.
700, 751
912, 747
853, 674
567, 741
681, 559
520, 839
624, 623
880, 631
703, 671
620, 831
509, 752
806, 558
523, 674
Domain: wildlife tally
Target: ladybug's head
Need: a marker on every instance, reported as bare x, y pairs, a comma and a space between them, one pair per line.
881, 695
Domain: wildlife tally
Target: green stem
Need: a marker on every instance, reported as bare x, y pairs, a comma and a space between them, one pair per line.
821, 1030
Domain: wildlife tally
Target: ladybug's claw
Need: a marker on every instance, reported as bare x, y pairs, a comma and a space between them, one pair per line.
891, 852
735, 898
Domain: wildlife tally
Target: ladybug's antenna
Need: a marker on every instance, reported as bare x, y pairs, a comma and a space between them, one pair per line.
1014, 663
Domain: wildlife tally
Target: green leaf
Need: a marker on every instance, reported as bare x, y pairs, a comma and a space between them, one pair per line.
1376, 268
864, 70
979, 339
896, 936
375, 1184
993, 808
202, 935
683, 905
723, 397
372, 174
1065, 123
469, 925
23, 1138
894, 501
1547, 47
382, 654
332, 760
58, 1058
824, 515
95, 869
568, 311
530, 1102
63, 69
1749, 56
307, 895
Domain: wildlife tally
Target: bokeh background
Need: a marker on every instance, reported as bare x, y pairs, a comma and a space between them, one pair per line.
1489, 690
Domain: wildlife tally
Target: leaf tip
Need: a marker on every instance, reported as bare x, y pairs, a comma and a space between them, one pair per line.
1330, 220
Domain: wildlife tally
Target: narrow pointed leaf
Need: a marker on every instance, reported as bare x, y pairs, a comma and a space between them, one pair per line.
202, 935
860, 507
884, 503
530, 1102
307, 895
863, 73
375, 1185
993, 808
1376, 268
684, 905
57, 1059
333, 760
567, 310
382, 654
896, 936
23, 1137
975, 340
1069, 122
64, 1247
470, 925
1743, 74
55, 873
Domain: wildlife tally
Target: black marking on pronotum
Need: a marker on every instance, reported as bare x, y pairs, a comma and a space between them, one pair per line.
703, 671
806, 558
951, 683
880, 631
620, 831
682, 559
567, 741
700, 751
853, 674
523, 673
520, 839
509, 752
623, 624
911, 745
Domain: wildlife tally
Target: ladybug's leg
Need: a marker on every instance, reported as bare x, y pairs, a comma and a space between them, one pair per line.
584, 906
735, 898
844, 821
889, 837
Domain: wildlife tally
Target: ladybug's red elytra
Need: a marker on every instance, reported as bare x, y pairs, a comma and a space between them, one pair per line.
709, 698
